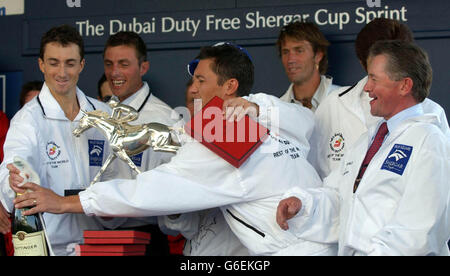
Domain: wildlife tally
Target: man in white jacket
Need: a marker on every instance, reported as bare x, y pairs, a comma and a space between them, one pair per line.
345, 114
41, 134
198, 179
303, 51
397, 204
206, 232
125, 62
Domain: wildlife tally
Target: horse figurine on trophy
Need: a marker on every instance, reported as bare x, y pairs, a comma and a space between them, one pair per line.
124, 139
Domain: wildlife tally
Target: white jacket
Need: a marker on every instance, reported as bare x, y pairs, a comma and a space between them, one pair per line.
325, 87
207, 234
41, 134
401, 204
341, 119
197, 179
207, 231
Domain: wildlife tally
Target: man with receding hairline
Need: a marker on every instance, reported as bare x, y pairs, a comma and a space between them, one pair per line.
389, 195
345, 114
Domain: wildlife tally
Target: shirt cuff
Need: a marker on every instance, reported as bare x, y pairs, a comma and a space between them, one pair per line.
85, 204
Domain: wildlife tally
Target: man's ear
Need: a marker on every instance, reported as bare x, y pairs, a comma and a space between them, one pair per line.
231, 86
41, 65
145, 66
406, 86
318, 57
82, 64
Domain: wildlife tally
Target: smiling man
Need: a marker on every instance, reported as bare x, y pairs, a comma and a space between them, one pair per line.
389, 196
303, 51
125, 63
345, 114
382, 88
41, 133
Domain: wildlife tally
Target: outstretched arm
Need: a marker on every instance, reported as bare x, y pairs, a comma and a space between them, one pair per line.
287, 119
45, 200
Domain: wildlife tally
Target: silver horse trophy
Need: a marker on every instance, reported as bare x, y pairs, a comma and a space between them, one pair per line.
126, 140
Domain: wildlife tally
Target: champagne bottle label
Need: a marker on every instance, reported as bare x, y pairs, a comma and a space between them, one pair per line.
29, 244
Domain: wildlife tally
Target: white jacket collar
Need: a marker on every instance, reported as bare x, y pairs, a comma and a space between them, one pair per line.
139, 98
352, 96
51, 108
413, 115
320, 94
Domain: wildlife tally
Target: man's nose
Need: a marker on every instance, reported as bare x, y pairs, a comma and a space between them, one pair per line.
292, 56
62, 70
368, 87
115, 71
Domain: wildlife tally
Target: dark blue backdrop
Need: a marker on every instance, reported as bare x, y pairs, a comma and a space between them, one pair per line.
253, 24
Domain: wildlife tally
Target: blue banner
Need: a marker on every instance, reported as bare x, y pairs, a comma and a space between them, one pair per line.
255, 25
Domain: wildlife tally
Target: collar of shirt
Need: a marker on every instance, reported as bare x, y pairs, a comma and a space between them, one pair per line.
319, 95
137, 99
413, 111
397, 119
52, 109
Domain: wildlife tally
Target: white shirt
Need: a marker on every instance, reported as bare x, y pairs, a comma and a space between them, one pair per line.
41, 134
325, 87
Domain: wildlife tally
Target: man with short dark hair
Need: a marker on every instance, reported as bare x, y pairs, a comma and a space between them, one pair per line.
303, 50
389, 196
41, 134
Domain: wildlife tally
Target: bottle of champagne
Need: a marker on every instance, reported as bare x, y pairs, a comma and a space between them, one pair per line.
28, 235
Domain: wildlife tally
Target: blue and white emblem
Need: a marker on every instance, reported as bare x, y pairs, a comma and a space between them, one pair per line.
96, 148
397, 159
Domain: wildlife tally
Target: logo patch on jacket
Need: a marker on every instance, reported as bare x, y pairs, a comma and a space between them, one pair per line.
397, 159
53, 150
96, 148
337, 142
137, 159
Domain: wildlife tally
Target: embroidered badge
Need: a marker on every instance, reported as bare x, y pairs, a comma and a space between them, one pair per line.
397, 159
53, 150
96, 148
337, 142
